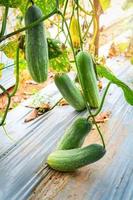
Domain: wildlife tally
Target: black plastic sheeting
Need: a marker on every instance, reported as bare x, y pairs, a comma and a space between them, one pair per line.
22, 161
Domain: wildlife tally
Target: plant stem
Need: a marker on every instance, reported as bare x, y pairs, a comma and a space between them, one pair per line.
17, 73
64, 12
102, 101
32, 2
99, 131
57, 4
7, 107
73, 7
60, 13
7, 133
4, 21
15, 88
83, 10
81, 42
29, 26
88, 29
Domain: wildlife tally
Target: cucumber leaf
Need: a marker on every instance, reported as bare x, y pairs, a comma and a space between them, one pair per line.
105, 72
9, 49
104, 4
60, 63
11, 3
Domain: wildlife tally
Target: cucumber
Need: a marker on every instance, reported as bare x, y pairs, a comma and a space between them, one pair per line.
75, 134
36, 46
87, 78
70, 160
69, 91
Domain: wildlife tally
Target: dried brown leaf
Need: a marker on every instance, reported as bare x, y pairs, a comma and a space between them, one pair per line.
32, 115
63, 102
114, 50
103, 117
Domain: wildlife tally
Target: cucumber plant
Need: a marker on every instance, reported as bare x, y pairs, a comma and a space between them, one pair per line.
69, 154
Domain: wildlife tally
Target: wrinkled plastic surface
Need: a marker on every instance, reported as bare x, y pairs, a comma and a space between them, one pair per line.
22, 161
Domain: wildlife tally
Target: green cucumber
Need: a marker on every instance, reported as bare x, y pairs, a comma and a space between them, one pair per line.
69, 91
87, 78
36, 46
75, 134
70, 160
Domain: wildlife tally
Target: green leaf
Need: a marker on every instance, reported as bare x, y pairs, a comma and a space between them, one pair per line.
10, 49
105, 72
45, 5
104, 4
54, 48
61, 63
11, 3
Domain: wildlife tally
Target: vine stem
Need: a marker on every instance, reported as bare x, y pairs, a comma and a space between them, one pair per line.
81, 42
17, 72
9, 96
7, 107
88, 108
32, 2
83, 10
57, 4
102, 101
29, 26
64, 12
4, 21
7, 133
99, 131
87, 29
73, 7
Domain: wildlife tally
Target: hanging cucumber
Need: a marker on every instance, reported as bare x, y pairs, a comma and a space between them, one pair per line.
69, 91
75, 134
36, 46
70, 160
87, 78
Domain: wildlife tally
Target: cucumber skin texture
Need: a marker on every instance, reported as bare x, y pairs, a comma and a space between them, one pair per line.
87, 78
75, 134
70, 160
69, 91
36, 46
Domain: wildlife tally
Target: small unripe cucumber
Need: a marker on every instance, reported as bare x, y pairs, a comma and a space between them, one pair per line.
75, 134
36, 46
70, 160
87, 78
69, 91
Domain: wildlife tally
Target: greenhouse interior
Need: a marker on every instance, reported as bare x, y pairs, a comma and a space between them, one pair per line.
66, 99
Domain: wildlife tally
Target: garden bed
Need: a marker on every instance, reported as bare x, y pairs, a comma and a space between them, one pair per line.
23, 171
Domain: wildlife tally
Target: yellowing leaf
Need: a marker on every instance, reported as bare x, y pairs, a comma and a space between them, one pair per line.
123, 46
104, 4
10, 49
